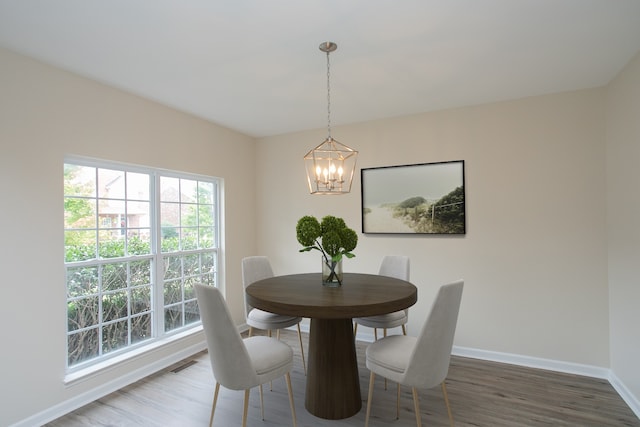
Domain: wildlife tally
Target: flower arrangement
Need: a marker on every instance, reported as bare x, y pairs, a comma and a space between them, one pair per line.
331, 237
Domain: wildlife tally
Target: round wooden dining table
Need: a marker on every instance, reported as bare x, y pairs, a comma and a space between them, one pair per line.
333, 385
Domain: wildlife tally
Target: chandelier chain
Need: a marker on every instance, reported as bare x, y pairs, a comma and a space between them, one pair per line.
328, 98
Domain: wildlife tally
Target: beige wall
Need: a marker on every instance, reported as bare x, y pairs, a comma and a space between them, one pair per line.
534, 256
45, 114
623, 202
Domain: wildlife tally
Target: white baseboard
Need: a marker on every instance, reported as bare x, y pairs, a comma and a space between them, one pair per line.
625, 393
533, 362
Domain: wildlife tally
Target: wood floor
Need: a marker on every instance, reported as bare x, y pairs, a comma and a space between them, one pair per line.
481, 394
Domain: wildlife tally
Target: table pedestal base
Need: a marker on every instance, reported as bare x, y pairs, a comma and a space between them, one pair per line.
333, 385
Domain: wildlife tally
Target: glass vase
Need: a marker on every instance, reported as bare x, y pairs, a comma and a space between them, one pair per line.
331, 273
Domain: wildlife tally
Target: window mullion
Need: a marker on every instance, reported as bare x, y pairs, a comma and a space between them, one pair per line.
158, 263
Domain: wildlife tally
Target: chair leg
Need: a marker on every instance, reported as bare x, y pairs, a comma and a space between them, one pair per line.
246, 408
293, 408
384, 335
304, 365
416, 407
375, 334
446, 401
269, 334
355, 329
215, 400
398, 403
369, 398
404, 330
250, 330
261, 402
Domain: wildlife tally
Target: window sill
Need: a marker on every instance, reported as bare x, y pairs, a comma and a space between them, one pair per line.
85, 374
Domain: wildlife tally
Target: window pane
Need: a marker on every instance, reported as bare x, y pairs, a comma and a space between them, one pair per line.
140, 328
110, 184
141, 300
208, 279
137, 186
82, 281
208, 268
115, 335
110, 248
79, 212
172, 292
188, 191
189, 238
79, 245
205, 192
206, 237
114, 276
172, 267
139, 242
170, 239
138, 214
189, 289
188, 215
79, 181
191, 265
191, 312
172, 317
140, 272
111, 214
205, 215
169, 189
82, 346
82, 313
170, 213
114, 306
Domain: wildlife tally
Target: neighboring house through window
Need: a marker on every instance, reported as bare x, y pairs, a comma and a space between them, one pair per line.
136, 240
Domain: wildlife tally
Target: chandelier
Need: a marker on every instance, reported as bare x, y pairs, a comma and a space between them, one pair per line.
330, 166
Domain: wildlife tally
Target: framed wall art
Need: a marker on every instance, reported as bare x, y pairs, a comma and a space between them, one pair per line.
425, 198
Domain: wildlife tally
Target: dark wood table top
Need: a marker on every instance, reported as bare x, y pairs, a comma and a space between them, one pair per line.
304, 295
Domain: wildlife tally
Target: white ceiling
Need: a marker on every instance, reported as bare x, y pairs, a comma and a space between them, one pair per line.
254, 65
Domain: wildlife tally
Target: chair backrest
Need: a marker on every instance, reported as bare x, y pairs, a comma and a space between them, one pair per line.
230, 360
396, 266
429, 362
254, 268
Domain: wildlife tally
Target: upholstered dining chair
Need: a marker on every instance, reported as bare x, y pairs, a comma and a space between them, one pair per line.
256, 268
240, 364
391, 266
423, 361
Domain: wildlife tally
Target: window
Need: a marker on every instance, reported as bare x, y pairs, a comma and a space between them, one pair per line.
136, 240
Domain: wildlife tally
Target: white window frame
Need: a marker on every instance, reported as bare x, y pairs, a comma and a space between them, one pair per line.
158, 332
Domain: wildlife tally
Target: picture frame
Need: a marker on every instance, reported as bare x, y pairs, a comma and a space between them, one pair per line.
423, 198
